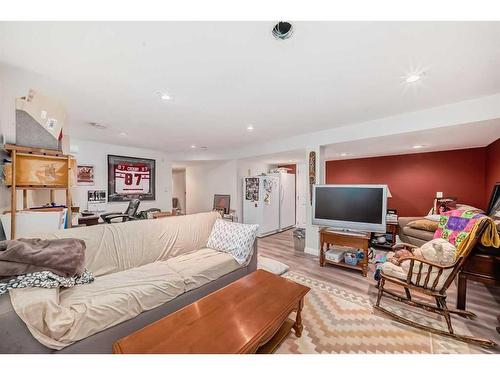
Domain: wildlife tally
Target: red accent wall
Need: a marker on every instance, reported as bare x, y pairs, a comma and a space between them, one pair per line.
292, 168
414, 179
492, 167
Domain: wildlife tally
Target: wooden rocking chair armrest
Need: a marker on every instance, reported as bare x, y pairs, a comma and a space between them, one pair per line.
425, 261
404, 245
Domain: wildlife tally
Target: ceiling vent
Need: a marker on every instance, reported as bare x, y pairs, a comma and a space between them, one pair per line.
97, 125
282, 30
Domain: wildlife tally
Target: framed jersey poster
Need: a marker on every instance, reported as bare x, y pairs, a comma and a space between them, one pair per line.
130, 178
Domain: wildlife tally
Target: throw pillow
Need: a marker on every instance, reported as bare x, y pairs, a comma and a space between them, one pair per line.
433, 217
466, 207
233, 238
271, 265
424, 224
455, 226
438, 251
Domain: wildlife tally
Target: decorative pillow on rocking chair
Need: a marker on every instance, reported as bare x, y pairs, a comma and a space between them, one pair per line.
437, 250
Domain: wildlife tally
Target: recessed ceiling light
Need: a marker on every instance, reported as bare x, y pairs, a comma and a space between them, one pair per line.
419, 146
250, 128
414, 77
193, 146
123, 134
164, 95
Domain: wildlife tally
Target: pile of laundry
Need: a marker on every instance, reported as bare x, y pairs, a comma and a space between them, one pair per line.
33, 262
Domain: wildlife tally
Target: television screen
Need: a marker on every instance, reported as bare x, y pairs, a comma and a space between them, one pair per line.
358, 207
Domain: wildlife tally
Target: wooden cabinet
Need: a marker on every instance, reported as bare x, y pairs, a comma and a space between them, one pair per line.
358, 241
482, 265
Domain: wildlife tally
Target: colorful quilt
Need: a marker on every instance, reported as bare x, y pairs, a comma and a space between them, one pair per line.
455, 226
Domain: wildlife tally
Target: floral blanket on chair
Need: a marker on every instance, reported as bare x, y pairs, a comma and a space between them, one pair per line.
455, 226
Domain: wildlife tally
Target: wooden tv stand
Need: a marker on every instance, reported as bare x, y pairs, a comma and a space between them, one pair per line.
358, 241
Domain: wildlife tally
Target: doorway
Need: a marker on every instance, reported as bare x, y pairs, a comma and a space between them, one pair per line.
179, 190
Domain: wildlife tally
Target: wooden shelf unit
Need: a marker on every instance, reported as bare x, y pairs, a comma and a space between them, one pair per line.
20, 156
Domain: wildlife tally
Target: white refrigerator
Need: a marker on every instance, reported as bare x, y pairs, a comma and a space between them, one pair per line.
270, 202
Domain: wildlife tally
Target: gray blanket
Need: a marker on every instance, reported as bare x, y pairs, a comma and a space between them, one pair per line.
64, 257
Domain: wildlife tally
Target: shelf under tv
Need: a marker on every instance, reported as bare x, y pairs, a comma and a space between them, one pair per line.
360, 241
358, 266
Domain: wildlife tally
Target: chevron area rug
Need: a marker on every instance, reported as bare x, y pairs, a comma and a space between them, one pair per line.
336, 321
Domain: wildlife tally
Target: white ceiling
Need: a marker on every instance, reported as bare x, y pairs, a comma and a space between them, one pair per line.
225, 75
478, 134
286, 157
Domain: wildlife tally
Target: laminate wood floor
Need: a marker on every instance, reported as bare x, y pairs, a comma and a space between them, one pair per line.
482, 300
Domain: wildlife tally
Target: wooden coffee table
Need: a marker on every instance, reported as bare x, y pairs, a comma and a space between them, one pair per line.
249, 315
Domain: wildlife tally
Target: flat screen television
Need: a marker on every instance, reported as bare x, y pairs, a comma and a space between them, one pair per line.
350, 207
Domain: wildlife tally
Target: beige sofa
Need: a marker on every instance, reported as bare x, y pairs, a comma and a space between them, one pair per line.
413, 236
144, 270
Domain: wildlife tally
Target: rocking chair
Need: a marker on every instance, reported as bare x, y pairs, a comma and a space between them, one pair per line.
433, 280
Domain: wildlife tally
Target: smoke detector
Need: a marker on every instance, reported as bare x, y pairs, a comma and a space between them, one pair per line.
97, 125
282, 30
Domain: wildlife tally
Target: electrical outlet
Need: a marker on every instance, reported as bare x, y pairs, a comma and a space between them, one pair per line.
439, 194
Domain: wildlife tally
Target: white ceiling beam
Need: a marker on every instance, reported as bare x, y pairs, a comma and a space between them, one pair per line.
468, 111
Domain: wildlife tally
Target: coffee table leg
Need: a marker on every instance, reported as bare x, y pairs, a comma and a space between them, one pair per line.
298, 327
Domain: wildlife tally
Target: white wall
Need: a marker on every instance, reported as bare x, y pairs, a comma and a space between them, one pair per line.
4, 192
205, 179
96, 154
302, 193
16, 83
179, 187
13, 83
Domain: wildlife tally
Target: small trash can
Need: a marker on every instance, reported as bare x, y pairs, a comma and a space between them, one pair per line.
299, 239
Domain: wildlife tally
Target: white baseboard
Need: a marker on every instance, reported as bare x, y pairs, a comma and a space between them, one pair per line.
310, 250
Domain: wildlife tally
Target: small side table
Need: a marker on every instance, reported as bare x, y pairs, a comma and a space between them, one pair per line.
158, 215
88, 220
336, 238
392, 228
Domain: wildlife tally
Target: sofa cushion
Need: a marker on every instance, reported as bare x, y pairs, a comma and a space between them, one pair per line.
234, 238
121, 246
437, 251
401, 272
424, 224
271, 265
202, 266
418, 233
60, 318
